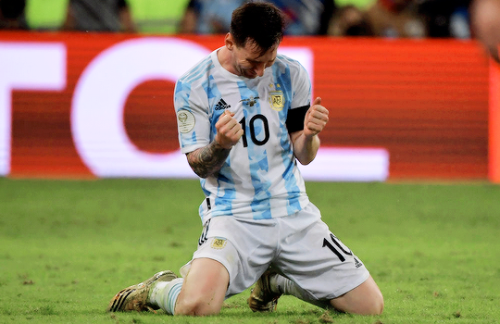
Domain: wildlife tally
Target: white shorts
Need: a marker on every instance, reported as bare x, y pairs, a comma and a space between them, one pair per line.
301, 247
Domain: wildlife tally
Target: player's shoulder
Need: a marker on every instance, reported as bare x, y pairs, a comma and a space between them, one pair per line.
286, 62
199, 71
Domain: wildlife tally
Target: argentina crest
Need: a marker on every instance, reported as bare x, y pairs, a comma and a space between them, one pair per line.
277, 100
276, 97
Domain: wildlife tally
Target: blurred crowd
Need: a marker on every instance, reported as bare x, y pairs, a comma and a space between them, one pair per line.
384, 18
379, 18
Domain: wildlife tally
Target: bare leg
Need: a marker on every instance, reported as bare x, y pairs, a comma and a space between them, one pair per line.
366, 299
204, 288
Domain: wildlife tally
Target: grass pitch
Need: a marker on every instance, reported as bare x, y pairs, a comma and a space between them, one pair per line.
66, 247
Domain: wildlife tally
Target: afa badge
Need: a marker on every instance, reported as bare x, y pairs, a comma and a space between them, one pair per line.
277, 100
218, 243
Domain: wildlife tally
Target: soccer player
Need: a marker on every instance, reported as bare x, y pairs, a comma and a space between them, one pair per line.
245, 118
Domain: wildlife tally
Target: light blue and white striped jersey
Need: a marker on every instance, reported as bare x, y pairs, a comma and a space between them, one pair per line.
260, 178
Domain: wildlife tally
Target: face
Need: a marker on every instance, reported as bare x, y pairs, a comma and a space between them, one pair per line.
248, 61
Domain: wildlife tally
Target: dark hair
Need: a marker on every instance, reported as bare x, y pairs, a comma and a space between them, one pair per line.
260, 22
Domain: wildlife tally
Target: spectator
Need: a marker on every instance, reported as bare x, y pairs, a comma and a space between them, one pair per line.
209, 16
46, 14
158, 16
349, 20
360, 4
306, 17
12, 14
396, 18
486, 24
446, 18
99, 16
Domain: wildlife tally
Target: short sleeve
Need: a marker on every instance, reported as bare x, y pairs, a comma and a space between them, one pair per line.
301, 86
193, 123
301, 100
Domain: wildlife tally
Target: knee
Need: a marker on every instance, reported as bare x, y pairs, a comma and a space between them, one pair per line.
366, 299
374, 305
196, 307
371, 306
378, 305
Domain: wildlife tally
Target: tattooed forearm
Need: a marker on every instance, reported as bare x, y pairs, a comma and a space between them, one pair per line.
207, 160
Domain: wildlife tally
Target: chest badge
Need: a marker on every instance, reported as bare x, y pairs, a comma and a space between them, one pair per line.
276, 97
250, 101
277, 100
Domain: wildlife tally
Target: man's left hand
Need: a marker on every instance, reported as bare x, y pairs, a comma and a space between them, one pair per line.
316, 118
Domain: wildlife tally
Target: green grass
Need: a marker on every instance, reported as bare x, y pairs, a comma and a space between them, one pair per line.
66, 247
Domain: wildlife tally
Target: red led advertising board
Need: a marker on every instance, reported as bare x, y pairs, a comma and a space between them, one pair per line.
100, 105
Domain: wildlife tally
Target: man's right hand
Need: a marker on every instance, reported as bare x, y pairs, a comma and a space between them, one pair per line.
229, 131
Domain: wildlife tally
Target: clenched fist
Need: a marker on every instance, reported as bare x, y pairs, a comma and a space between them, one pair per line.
316, 118
229, 131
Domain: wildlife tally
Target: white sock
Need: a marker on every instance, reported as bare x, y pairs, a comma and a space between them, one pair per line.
285, 286
282, 285
164, 294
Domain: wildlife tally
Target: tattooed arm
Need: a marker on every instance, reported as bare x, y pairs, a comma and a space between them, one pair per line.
209, 159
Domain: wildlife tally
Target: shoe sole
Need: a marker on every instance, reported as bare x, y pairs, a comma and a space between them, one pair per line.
119, 299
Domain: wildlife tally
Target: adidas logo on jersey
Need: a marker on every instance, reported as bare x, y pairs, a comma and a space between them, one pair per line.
221, 105
357, 264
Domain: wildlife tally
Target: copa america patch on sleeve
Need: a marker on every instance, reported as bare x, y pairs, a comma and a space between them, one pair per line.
186, 120
218, 243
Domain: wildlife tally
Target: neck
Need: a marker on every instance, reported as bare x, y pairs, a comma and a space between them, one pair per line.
224, 57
